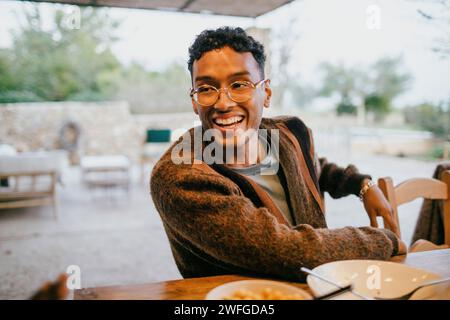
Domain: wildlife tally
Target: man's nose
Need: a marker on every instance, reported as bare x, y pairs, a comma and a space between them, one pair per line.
223, 102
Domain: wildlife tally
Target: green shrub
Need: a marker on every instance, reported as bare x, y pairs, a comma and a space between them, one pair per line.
18, 96
433, 118
378, 104
88, 96
437, 152
346, 108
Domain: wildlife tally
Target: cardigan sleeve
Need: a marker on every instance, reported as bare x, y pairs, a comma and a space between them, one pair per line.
211, 213
337, 181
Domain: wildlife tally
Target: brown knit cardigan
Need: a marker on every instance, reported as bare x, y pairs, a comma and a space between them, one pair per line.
220, 222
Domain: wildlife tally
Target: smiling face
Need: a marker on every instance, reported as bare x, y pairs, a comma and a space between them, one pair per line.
220, 68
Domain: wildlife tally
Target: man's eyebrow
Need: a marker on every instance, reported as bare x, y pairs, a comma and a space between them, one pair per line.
238, 74
204, 78
234, 75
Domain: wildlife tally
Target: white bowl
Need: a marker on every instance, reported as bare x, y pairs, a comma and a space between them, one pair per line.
228, 289
373, 278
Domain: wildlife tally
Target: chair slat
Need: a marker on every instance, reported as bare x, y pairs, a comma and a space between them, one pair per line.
420, 187
412, 189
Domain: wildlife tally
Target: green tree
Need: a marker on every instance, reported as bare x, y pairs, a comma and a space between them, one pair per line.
344, 81
60, 62
6, 79
377, 104
430, 117
349, 83
375, 86
346, 107
156, 92
389, 78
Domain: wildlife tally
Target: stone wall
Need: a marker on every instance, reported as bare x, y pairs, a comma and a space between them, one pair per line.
105, 128
110, 128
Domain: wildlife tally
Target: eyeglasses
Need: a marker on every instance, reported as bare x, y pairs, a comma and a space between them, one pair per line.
239, 91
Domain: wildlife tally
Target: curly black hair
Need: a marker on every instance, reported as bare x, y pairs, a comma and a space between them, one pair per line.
235, 38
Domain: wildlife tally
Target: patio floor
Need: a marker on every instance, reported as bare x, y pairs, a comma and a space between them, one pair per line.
119, 240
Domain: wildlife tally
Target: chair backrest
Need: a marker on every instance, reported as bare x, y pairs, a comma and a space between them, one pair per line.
158, 135
412, 189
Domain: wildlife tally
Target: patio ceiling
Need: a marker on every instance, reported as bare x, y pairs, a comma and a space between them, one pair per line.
238, 8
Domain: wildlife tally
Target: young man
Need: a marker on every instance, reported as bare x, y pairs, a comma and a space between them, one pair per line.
227, 216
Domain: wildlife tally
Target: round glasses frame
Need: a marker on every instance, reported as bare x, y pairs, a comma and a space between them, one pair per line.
194, 92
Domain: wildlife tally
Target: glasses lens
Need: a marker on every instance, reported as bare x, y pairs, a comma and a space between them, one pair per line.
206, 95
241, 91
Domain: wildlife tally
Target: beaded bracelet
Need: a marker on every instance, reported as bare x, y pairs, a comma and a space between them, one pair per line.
364, 189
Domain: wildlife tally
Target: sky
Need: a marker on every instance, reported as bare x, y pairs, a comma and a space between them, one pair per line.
334, 31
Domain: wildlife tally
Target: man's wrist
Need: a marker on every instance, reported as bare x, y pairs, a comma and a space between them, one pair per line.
365, 186
364, 182
355, 182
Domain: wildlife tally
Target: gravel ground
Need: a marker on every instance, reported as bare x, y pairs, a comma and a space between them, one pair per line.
117, 239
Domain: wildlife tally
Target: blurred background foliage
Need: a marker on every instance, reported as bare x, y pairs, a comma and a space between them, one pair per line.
373, 88
58, 63
434, 118
62, 63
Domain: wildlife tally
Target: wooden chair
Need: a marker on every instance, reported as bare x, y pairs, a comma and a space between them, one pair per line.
412, 189
107, 172
156, 142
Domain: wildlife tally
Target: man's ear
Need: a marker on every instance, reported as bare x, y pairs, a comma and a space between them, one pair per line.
194, 106
268, 92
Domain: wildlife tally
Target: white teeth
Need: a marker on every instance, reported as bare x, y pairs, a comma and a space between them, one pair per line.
228, 121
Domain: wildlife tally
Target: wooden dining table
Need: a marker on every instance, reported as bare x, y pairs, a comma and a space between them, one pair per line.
437, 261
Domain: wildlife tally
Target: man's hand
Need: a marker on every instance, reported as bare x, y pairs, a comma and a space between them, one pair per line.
402, 248
376, 204
56, 290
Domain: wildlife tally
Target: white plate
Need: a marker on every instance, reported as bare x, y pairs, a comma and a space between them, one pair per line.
373, 278
228, 289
